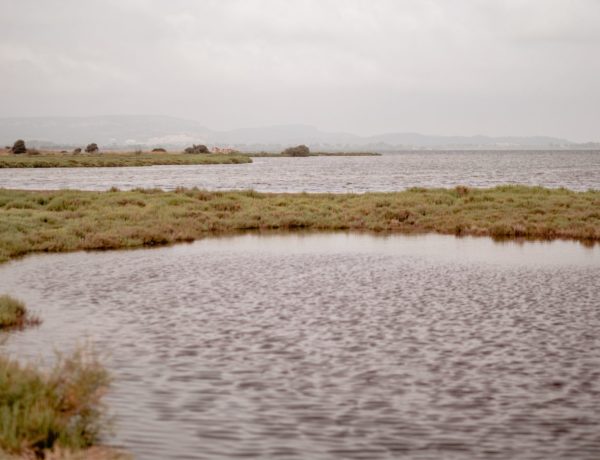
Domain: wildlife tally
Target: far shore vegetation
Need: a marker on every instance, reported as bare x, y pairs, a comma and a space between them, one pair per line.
303, 151
69, 220
314, 154
113, 159
51, 159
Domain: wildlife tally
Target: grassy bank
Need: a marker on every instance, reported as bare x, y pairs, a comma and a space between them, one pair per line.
69, 160
14, 315
57, 221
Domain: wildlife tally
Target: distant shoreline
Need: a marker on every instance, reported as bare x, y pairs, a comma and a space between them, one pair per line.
53, 159
314, 154
108, 160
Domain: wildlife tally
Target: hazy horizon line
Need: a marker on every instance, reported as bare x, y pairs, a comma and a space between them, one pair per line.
363, 134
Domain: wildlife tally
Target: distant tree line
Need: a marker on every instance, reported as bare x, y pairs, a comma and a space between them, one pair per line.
20, 148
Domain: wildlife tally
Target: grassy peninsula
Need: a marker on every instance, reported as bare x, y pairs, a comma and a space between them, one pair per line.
57, 221
70, 160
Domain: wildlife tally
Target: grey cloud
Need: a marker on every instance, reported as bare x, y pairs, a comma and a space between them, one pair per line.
494, 67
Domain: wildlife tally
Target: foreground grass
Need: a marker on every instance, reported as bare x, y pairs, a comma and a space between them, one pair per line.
68, 160
53, 415
58, 221
13, 314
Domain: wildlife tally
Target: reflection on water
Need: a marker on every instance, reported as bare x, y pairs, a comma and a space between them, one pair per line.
334, 346
577, 170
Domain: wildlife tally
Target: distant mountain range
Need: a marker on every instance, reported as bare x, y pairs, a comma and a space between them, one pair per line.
161, 131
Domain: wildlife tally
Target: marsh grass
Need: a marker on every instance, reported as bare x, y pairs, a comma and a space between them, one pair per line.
59, 410
14, 314
69, 160
68, 220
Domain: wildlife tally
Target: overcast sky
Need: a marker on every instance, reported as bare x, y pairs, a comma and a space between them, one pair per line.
460, 67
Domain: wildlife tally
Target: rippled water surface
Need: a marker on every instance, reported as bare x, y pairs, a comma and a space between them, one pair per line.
577, 170
333, 346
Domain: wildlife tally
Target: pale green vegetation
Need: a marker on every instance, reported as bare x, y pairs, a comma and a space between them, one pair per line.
70, 160
57, 221
14, 314
52, 414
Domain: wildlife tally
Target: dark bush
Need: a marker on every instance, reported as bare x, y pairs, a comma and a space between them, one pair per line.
197, 149
92, 148
298, 151
77, 150
159, 149
461, 190
19, 147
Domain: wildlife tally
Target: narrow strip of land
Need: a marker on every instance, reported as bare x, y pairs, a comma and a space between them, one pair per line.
57, 221
316, 154
69, 160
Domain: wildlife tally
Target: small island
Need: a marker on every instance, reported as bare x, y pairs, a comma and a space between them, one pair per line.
304, 151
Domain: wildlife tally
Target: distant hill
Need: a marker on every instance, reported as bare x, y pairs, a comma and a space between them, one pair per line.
147, 130
104, 130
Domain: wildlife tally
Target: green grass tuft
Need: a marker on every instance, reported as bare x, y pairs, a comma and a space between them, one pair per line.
14, 314
60, 409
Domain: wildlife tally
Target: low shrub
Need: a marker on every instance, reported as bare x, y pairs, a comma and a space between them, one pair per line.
77, 150
92, 148
19, 147
197, 149
461, 190
298, 151
159, 149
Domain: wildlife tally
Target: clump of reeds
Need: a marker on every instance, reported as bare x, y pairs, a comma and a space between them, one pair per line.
14, 314
46, 412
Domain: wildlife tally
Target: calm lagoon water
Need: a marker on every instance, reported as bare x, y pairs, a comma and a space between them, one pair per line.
333, 345
577, 170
